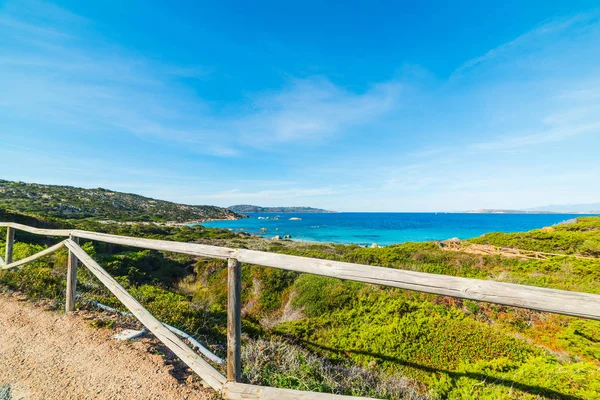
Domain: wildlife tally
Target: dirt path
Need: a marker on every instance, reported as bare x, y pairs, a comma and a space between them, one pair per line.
50, 355
458, 245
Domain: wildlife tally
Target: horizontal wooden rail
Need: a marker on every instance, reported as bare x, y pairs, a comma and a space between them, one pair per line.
556, 301
210, 375
37, 231
242, 391
576, 304
229, 390
193, 249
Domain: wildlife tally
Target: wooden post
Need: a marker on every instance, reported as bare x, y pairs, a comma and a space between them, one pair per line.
234, 320
10, 241
71, 279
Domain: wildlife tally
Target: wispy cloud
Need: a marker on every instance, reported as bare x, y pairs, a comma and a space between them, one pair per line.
532, 40
290, 193
529, 94
60, 68
552, 135
59, 72
314, 109
409, 142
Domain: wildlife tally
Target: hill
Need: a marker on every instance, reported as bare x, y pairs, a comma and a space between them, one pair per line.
102, 204
593, 208
350, 338
246, 208
502, 211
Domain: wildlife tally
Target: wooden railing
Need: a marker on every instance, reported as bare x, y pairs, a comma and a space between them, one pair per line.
575, 304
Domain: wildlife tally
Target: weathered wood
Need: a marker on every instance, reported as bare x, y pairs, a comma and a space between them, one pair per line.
195, 344
241, 391
153, 244
34, 257
71, 279
37, 231
161, 245
550, 300
10, 242
234, 320
576, 304
210, 375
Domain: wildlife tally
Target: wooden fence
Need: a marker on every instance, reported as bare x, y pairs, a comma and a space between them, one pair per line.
575, 304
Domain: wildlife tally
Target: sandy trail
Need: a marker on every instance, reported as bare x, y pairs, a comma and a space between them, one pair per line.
51, 355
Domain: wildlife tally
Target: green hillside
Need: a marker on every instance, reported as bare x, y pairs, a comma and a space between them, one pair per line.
102, 204
315, 333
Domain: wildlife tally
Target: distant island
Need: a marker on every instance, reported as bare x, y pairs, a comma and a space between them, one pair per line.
246, 208
593, 208
502, 211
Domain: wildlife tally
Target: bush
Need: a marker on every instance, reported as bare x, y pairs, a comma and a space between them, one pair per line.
281, 364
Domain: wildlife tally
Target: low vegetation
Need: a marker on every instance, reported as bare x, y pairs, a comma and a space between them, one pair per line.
75, 203
581, 238
278, 363
315, 333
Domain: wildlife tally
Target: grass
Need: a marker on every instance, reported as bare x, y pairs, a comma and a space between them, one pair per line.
571, 238
310, 332
279, 363
446, 346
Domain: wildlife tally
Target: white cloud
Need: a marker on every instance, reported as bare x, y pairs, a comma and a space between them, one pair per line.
56, 72
314, 109
552, 135
59, 72
531, 40
290, 194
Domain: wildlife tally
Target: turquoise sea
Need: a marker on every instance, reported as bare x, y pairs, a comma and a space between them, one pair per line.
386, 228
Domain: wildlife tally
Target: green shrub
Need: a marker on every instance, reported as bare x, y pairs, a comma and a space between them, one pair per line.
457, 349
282, 364
316, 295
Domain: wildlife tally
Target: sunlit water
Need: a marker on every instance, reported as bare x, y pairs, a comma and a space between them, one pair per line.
386, 228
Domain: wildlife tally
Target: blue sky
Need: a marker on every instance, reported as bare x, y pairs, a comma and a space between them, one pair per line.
352, 106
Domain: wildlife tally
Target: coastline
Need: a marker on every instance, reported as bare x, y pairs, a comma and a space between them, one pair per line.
385, 229
168, 223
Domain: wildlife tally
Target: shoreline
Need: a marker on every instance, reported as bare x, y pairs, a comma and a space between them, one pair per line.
382, 231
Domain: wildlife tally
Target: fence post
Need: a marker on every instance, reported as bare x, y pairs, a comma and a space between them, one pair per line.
71, 279
10, 241
234, 320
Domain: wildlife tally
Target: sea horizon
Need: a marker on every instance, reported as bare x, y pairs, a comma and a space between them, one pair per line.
387, 228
